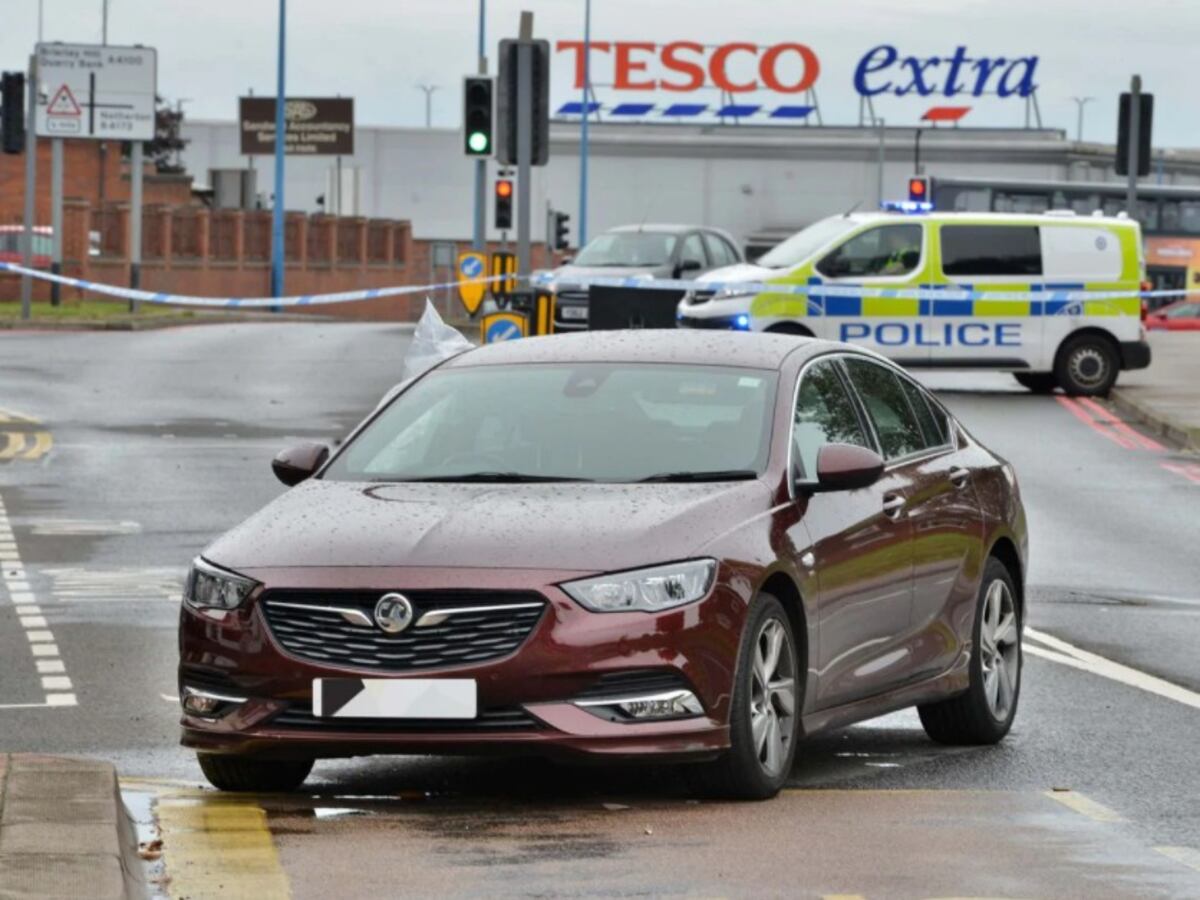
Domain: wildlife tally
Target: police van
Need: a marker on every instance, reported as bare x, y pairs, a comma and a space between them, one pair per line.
1020, 275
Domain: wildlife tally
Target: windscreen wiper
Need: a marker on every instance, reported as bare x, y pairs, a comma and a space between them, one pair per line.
716, 475
497, 477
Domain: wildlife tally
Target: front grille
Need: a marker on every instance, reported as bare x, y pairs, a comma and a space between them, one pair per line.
513, 718
636, 682
326, 637
698, 297
723, 323
573, 296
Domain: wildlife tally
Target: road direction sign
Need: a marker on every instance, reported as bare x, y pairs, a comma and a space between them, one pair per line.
471, 279
98, 92
502, 326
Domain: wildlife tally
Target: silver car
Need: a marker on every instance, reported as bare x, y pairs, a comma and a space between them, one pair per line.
660, 251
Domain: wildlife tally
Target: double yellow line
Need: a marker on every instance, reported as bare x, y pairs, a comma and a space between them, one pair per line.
20, 438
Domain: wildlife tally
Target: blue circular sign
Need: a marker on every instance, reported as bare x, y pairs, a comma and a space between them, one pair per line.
502, 330
471, 266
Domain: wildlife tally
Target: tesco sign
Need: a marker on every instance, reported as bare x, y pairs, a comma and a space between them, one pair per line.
792, 68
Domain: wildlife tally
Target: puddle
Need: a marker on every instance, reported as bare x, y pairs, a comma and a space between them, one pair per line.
141, 808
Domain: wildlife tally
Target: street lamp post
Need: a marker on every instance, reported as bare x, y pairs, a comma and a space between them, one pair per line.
583, 126
428, 89
277, 209
1081, 102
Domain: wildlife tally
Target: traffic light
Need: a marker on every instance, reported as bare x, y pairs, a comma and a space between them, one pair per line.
1145, 120
504, 203
918, 189
506, 103
12, 112
478, 116
561, 241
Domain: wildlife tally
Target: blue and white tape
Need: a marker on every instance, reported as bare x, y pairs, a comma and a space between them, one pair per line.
719, 289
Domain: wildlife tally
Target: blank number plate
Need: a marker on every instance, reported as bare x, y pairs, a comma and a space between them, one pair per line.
394, 698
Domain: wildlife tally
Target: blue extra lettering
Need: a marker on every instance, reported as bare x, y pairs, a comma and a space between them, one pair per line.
854, 330
1024, 85
874, 60
898, 328
962, 335
1008, 335
918, 67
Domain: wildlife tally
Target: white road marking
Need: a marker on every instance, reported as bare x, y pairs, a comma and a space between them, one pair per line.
76, 585
1084, 806
82, 527
1187, 855
54, 681
1069, 655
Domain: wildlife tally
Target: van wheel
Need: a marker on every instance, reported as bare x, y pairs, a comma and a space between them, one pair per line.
764, 719
1087, 366
247, 773
1038, 382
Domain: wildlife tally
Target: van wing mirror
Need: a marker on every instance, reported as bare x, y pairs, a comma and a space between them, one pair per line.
845, 467
300, 462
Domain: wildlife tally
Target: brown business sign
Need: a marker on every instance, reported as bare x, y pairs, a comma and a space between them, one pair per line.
315, 126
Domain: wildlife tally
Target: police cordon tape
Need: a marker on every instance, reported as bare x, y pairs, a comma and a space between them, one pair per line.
718, 289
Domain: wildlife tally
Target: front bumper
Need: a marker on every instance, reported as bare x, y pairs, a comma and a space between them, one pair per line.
1135, 354
525, 699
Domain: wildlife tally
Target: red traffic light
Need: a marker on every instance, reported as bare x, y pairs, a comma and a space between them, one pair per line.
916, 188
504, 188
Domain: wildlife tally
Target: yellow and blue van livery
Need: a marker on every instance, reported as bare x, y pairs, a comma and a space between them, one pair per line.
1054, 298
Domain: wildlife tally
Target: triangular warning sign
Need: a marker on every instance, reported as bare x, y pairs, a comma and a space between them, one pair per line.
63, 103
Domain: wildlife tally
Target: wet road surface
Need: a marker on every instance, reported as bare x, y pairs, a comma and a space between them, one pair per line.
158, 441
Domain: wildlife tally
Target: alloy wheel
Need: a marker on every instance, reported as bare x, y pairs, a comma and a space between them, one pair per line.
772, 696
1000, 650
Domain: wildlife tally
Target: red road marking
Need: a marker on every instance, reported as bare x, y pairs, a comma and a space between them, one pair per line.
1078, 412
1118, 425
1191, 473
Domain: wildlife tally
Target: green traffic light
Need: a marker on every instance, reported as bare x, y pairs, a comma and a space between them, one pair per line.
477, 141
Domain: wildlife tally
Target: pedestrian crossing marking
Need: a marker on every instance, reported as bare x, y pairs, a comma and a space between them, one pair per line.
72, 584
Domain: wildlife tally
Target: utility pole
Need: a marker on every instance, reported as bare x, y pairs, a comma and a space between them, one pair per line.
1080, 102
477, 239
524, 139
428, 89
583, 123
280, 126
879, 161
30, 187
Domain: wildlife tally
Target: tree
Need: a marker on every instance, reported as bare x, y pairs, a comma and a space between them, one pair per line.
164, 150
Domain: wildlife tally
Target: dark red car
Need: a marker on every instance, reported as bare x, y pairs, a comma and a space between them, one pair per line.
1181, 316
697, 546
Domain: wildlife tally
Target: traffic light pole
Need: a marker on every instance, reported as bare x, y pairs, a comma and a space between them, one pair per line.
1135, 109
30, 187
56, 217
524, 139
479, 234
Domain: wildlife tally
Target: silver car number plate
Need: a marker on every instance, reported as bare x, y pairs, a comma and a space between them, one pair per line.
573, 312
394, 698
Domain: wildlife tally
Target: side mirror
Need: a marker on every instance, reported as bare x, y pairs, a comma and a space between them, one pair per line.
844, 467
688, 265
295, 464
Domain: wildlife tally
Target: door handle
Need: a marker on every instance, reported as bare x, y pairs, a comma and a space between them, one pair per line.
960, 476
893, 505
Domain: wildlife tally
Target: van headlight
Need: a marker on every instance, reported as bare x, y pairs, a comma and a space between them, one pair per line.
645, 590
209, 587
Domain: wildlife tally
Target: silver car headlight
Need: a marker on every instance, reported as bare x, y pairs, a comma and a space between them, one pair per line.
209, 587
645, 590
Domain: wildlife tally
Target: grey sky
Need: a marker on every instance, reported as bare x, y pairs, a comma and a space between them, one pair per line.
212, 51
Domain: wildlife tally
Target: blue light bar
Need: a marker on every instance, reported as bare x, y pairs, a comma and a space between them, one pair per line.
741, 322
631, 109
685, 109
906, 206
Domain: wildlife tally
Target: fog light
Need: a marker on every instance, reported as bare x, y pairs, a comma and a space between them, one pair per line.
670, 705
208, 705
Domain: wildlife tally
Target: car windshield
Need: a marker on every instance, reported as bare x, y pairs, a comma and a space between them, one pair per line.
803, 244
569, 422
1182, 311
628, 248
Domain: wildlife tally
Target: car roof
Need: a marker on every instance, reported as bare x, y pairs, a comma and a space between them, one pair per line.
1055, 217
752, 350
656, 226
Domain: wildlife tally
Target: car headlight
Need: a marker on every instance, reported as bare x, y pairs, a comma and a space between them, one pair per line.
211, 588
645, 590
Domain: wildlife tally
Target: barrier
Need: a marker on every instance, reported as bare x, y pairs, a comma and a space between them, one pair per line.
729, 288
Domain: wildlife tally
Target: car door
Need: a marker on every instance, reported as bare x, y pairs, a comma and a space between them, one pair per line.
857, 542
947, 535
885, 256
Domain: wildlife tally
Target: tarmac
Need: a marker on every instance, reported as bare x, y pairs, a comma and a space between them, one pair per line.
1166, 396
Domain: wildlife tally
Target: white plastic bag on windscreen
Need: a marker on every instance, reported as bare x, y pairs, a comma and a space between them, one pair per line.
432, 341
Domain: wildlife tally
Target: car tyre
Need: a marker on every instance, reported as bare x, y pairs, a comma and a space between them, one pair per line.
1087, 366
245, 773
984, 713
764, 720
1038, 382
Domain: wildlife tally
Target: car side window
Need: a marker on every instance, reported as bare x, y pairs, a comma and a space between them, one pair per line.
719, 252
929, 417
693, 249
824, 414
883, 251
882, 392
